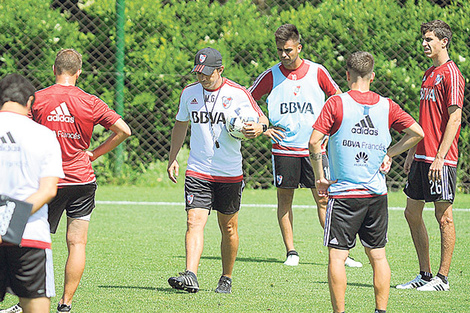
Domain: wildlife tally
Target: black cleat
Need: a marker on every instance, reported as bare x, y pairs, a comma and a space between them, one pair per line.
63, 308
224, 285
187, 281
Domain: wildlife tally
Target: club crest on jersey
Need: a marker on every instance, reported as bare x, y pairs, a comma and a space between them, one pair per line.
296, 90
227, 102
202, 58
279, 179
189, 199
194, 101
438, 79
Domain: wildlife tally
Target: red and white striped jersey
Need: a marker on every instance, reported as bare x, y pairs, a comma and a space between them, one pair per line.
442, 87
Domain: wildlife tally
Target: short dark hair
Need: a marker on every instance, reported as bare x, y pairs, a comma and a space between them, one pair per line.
440, 28
67, 61
287, 32
16, 88
360, 64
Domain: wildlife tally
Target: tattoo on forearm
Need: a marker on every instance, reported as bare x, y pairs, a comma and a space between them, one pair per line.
315, 156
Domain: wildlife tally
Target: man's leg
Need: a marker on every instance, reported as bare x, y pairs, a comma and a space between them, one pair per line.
228, 224
414, 217
337, 278
35, 305
382, 275
77, 233
322, 203
443, 213
196, 221
285, 216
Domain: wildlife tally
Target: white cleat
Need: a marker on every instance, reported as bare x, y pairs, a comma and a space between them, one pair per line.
436, 284
350, 262
292, 258
417, 282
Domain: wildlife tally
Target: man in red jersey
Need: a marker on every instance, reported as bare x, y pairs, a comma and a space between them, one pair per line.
297, 89
72, 113
431, 165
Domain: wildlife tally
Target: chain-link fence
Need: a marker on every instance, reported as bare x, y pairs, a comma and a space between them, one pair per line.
161, 37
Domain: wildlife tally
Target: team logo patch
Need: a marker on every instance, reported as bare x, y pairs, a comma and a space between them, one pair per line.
438, 79
226, 101
194, 101
189, 199
202, 58
296, 90
279, 179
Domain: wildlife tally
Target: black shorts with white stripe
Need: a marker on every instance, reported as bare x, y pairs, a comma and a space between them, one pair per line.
419, 187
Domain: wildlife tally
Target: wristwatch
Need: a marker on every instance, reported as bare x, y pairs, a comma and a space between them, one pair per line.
265, 127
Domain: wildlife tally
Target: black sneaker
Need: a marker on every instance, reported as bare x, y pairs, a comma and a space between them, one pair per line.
224, 285
187, 281
64, 308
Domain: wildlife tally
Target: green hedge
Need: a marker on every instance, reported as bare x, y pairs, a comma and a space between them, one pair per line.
162, 37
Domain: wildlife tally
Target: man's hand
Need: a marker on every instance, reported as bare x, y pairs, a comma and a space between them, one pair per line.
322, 186
252, 129
173, 171
386, 165
435, 171
275, 133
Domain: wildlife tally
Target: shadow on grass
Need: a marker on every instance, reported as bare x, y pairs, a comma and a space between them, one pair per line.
255, 260
130, 287
323, 282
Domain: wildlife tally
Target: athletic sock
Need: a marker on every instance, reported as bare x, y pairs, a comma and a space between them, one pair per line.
292, 252
425, 276
380, 311
442, 277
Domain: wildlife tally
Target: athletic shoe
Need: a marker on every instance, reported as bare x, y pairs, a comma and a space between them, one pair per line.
187, 281
14, 309
292, 258
64, 308
350, 262
415, 283
224, 285
436, 284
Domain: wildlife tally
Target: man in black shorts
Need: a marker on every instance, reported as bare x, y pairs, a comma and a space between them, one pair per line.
358, 123
30, 167
432, 165
214, 177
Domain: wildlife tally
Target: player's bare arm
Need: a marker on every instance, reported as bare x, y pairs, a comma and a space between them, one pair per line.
315, 148
177, 138
46, 192
413, 135
455, 118
120, 132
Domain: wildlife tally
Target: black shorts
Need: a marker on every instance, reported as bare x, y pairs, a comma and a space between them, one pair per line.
347, 217
26, 272
77, 200
222, 197
419, 187
294, 172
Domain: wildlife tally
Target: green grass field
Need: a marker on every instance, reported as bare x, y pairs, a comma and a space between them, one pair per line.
133, 249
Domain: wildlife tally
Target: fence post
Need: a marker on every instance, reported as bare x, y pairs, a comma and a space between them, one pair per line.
119, 88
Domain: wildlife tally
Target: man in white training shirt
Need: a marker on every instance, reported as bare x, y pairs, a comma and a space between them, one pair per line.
30, 167
214, 177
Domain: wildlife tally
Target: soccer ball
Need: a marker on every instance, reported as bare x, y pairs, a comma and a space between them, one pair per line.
234, 124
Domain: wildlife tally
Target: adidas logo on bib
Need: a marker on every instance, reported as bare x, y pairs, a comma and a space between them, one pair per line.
61, 114
365, 127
